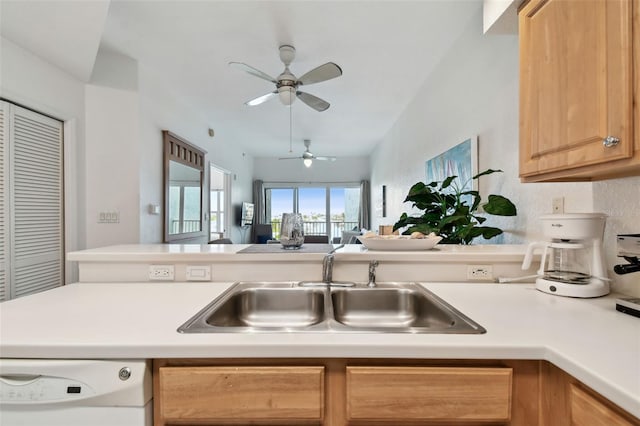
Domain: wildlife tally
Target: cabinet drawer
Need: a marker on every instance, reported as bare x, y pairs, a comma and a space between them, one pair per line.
429, 393
242, 393
586, 409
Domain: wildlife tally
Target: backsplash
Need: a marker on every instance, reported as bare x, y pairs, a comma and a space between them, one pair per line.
620, 200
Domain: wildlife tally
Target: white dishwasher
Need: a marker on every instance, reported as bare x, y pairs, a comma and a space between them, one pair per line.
49, 392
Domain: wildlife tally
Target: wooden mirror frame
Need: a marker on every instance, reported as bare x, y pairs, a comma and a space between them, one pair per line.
178, 150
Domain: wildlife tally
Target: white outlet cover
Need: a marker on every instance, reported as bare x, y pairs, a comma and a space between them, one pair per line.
480, 272
161, 273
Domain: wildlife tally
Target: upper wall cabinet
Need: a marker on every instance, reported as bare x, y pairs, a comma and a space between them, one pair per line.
577, 83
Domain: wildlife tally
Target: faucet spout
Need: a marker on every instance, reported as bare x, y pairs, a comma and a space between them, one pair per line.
372, 273
327, 265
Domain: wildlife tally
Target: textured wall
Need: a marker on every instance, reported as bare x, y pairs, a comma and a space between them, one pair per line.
620, 199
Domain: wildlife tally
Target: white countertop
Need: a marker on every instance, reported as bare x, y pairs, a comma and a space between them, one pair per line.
585, 337
228, 252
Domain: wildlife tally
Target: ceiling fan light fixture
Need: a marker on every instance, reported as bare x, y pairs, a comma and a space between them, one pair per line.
287, 94
307, 162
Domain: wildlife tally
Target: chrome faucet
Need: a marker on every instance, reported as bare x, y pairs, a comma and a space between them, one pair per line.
327, 265
372, 273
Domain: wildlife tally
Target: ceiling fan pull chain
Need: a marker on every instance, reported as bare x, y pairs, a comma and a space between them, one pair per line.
290, 127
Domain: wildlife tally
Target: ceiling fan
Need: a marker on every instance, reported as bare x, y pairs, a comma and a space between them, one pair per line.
287, 84
307, 157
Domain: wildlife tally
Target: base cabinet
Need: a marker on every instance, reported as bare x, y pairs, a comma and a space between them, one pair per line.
213, 394
567, 402
478, 394
380, 392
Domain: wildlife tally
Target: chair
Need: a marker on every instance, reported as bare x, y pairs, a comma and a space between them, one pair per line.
311, 239
262, 233
221, 241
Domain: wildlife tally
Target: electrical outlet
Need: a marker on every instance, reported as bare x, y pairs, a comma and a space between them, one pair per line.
161, 272
479, 272
557, 205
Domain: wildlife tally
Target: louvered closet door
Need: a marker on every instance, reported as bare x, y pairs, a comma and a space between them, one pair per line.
36, 202
4, 203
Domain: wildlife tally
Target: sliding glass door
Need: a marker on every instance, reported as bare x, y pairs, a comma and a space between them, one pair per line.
326, 210
312, 203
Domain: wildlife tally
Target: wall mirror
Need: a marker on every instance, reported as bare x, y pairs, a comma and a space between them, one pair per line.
183, 189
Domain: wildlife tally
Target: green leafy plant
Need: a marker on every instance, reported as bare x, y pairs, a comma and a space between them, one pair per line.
447, 213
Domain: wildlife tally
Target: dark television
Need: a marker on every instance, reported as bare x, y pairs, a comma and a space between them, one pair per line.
246, 214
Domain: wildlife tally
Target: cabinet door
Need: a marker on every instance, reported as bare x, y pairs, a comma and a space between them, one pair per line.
227, 394
575, 83
429, 394
587, 409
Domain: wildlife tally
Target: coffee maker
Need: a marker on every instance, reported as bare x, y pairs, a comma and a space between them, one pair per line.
572, 264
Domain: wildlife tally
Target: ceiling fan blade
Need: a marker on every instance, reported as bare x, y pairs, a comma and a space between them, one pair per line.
325, 158
253, 71
322, 73
313, 101
261, 99
289, 158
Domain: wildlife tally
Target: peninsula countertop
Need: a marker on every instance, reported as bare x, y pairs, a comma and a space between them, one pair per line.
587, 338
233, 252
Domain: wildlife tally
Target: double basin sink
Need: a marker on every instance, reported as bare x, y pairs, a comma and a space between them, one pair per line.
317, 307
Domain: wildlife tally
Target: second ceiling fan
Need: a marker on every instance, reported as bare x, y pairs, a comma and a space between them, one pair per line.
287, 84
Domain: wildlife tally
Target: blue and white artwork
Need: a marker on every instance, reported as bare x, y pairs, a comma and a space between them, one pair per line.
461, 161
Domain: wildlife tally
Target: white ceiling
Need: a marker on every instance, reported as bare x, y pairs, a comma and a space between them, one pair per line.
64, 33
386, 50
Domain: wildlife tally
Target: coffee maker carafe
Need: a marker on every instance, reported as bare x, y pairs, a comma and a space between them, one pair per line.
571, 263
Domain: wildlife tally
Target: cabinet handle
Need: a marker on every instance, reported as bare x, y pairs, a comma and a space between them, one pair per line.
610, 141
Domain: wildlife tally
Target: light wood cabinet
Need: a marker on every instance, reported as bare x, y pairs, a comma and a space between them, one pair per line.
341, 392
215, 395
567, 402
429, 394
375, 392
578, 76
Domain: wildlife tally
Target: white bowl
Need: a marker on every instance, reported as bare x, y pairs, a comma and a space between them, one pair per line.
399, 243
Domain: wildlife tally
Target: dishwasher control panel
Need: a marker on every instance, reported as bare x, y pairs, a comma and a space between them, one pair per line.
27, 388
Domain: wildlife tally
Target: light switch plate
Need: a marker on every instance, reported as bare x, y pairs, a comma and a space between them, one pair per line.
198, 273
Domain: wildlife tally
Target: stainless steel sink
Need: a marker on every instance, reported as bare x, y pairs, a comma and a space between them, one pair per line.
303, 307
261, 307
396, 308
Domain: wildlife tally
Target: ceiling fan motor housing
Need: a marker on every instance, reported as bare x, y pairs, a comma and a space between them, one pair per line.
287, 54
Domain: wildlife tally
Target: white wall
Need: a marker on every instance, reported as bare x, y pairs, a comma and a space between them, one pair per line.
161, 109
112, 163
344, 169
119, 168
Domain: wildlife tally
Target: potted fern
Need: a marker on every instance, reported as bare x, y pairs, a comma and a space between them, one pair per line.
452, 212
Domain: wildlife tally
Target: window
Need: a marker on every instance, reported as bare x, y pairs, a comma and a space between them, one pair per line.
326, 210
